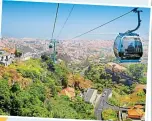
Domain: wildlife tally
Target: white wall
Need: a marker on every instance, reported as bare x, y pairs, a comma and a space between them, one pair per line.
101, 2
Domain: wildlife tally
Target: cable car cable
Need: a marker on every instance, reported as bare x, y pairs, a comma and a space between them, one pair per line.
105, 23
54, 41
55, 19
66, 20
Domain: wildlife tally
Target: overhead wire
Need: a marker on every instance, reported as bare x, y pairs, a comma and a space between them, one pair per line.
104, 24
57, 9
66, 21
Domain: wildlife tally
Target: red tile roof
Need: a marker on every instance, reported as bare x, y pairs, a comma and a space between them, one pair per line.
70, 92
136, 112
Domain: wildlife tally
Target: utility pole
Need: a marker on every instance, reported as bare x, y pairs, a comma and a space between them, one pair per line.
53, 45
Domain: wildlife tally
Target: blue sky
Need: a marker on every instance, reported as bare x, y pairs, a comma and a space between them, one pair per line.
35, 20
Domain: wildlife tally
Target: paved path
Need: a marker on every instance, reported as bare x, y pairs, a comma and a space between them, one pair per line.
103, 104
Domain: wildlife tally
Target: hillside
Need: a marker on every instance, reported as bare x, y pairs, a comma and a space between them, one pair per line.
38, 87
32, 88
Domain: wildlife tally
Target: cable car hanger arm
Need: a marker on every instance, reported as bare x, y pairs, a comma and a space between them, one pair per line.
139, 20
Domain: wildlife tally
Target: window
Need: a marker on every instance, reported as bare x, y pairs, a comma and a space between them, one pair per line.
117, 40
132, 44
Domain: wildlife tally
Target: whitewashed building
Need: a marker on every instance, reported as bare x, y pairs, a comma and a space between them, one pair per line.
90, 96
6, 58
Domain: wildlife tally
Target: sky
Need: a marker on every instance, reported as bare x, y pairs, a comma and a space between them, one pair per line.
36, 19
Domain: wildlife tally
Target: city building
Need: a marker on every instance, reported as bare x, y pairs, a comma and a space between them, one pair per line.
6, 58
26, 56
90, 96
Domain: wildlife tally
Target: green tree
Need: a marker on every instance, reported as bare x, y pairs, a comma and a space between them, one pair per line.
16, 105
38, 90
40, 97
108, 114
2, 113
18, 53
123, 90
143, 80
98, 75
137, 70
62, 110
64, 80
44, 57
5, 101
15, 87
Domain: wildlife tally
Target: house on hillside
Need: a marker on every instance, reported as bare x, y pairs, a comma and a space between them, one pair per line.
26, 56
69, 91
6, 58
90, 96
136, 112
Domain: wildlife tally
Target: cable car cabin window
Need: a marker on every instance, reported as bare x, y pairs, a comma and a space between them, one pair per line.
117, 41
116, 46
138, 46
132, 45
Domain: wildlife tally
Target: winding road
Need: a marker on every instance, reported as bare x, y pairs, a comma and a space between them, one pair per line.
103, 104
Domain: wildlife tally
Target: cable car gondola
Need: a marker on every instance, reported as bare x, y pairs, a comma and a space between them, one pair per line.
128, 46
50, 46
